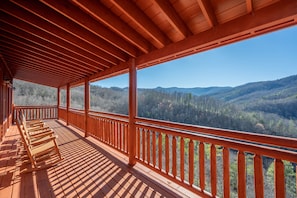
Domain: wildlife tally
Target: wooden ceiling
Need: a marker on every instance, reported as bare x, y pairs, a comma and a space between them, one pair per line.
55, 42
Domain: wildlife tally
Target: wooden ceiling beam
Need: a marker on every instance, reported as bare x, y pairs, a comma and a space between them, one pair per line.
108, 18
46, 50
83, 26
122, 68
276, 16
173, 18
51, 40
143, 21
249, 6
56, 59
55, 31
208, 12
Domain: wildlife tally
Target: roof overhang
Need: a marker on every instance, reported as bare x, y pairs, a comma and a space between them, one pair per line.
56, 42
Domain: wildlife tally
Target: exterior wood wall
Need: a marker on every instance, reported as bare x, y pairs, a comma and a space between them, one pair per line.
5, 105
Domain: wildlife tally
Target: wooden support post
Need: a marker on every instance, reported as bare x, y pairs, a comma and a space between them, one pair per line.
87, 104
67, 103
132, 112
58, 101
1, 106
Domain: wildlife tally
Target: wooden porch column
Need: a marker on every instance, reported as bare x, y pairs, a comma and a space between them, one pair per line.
67, 103
1, 106
87, 104
58, 101
132, 112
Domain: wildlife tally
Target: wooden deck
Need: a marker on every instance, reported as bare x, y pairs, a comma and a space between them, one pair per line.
89, 169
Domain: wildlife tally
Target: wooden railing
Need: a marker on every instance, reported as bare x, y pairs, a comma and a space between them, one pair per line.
199, 158
62, 113
36, 112
208, 161
109, 128
77, 118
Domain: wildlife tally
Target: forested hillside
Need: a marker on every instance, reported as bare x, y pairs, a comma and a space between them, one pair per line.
263, 107
277, 97
26, 93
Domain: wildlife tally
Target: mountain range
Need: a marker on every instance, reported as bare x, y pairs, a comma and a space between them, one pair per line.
277, 96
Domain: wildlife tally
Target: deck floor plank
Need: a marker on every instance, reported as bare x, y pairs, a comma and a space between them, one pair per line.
89, 169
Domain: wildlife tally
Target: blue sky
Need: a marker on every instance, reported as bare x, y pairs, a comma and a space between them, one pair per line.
268, 57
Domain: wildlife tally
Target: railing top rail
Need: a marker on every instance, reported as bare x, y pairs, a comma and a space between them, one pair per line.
77, 110
235, 144
108, 115
35, 107
238, 135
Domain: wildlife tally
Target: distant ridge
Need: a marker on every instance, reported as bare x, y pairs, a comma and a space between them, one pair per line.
197, 91
264, 90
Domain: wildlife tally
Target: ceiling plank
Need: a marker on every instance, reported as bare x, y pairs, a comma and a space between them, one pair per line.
279, 15
173, 18
35, 66
108, 18
84, 24
36, 58
143, 21
44, 49
83, 55
55, 31
31, 75
44, 53
208, 12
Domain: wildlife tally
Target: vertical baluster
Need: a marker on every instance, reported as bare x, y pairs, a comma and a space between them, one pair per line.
258, 177
143, 144
241, 174
111, 135
126, 138
138, 142
37, 113
167, 153
109, 124
213, 169
121, 135
174, 156
226, 170
113, 130
105, 131
100, 129
148, 144
182, 159
191, 162
160, 150
279, 178
108, 131
115, 134
154, 148
201, 166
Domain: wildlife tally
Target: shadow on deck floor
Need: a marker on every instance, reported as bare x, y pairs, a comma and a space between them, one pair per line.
89, 169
